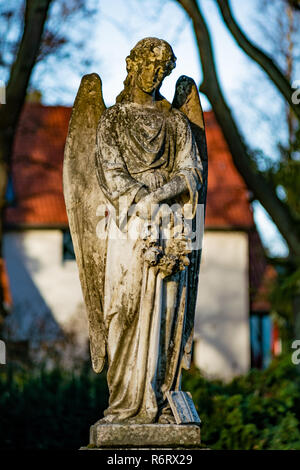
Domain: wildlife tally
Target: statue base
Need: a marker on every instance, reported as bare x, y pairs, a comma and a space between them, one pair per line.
126, 436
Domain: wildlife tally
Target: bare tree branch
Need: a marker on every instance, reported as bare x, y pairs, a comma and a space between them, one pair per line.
260, 57
35, 17
256, 182
294, 4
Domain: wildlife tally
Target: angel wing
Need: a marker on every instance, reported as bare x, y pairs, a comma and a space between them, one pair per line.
82, 197
187, 100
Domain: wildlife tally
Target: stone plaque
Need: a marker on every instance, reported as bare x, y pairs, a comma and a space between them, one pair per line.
183, 407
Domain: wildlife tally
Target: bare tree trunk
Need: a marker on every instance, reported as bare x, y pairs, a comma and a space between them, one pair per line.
35, 18
262, 189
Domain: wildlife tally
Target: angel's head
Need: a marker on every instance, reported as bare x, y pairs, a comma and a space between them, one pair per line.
148, 63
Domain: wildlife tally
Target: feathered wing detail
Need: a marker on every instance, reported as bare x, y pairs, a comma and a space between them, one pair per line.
82, 197
187, 100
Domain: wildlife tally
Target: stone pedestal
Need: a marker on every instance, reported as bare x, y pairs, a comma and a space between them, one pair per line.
126, 436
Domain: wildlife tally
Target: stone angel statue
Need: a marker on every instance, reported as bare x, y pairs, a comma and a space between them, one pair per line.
140, 291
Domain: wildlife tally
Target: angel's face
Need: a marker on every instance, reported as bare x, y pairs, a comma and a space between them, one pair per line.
150, 77
150, 74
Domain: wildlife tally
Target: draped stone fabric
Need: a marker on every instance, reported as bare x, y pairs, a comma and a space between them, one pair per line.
144, 311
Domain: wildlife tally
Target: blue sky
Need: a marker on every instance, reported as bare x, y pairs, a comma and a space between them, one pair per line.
117, 27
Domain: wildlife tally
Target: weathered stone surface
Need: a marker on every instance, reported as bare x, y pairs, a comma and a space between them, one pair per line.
183, 407
144, 435
133, 178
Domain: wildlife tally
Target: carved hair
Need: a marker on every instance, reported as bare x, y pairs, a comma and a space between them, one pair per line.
144, 52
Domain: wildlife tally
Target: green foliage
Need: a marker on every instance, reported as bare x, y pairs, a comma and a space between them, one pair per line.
53, 410
283, 297
260, 410
49, 410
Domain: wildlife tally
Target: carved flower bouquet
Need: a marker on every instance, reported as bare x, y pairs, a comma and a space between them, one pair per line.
167, 250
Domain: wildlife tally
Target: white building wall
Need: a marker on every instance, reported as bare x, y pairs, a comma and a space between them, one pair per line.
46, 292
222, 336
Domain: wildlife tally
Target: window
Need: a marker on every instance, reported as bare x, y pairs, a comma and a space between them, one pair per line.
10, 193
68, 249
261, 332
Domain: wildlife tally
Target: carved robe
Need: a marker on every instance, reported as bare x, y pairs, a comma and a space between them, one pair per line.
145, 314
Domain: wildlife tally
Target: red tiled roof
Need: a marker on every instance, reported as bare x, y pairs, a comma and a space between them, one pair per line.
37, 173
37, 166
227, 196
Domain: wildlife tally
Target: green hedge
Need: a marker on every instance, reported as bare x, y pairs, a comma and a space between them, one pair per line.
53, 410
49, 410
260, 410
